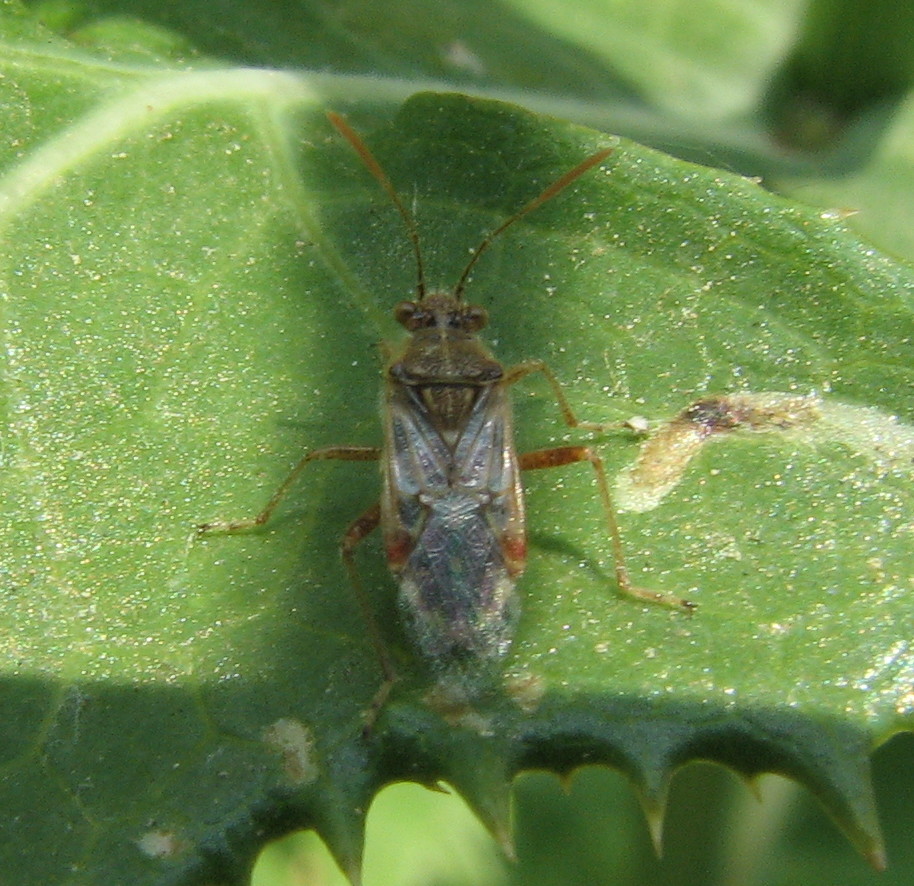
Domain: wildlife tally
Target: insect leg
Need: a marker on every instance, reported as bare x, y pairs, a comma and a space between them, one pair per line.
359, 528
528, 367
341, 453
567, 455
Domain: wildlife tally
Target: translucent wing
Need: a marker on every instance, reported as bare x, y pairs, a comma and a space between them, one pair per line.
452, 516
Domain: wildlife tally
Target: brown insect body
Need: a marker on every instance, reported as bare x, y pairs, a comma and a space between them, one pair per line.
452, 509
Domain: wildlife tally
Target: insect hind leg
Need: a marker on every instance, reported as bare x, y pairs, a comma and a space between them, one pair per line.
567, 455
361, 527
358, 529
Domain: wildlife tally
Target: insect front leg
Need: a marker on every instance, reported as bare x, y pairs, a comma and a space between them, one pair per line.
339, 453
567, 455
528, 367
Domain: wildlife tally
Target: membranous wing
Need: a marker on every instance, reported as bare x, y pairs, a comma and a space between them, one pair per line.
452, 515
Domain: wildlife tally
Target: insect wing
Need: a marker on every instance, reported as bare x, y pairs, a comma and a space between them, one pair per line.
452, 516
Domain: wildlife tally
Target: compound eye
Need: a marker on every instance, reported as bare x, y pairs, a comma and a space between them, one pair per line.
476, 318
405, 313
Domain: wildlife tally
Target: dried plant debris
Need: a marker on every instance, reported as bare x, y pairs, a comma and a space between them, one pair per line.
883, 439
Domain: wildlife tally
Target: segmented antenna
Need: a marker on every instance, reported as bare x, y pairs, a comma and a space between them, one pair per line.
553, 189
375, 169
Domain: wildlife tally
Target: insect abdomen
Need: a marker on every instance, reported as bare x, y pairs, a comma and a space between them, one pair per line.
456, 589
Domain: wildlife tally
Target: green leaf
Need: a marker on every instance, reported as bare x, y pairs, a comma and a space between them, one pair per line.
868, 178
195, 272
837, 34
709, 57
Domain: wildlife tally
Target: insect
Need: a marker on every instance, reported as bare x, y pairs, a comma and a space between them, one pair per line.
451, 510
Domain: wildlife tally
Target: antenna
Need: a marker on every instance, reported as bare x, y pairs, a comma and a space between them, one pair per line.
409, 220
375, 169
558, 185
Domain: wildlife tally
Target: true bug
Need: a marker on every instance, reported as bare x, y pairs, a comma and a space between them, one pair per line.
451, 509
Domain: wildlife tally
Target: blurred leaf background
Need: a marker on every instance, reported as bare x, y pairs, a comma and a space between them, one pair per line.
812, 97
